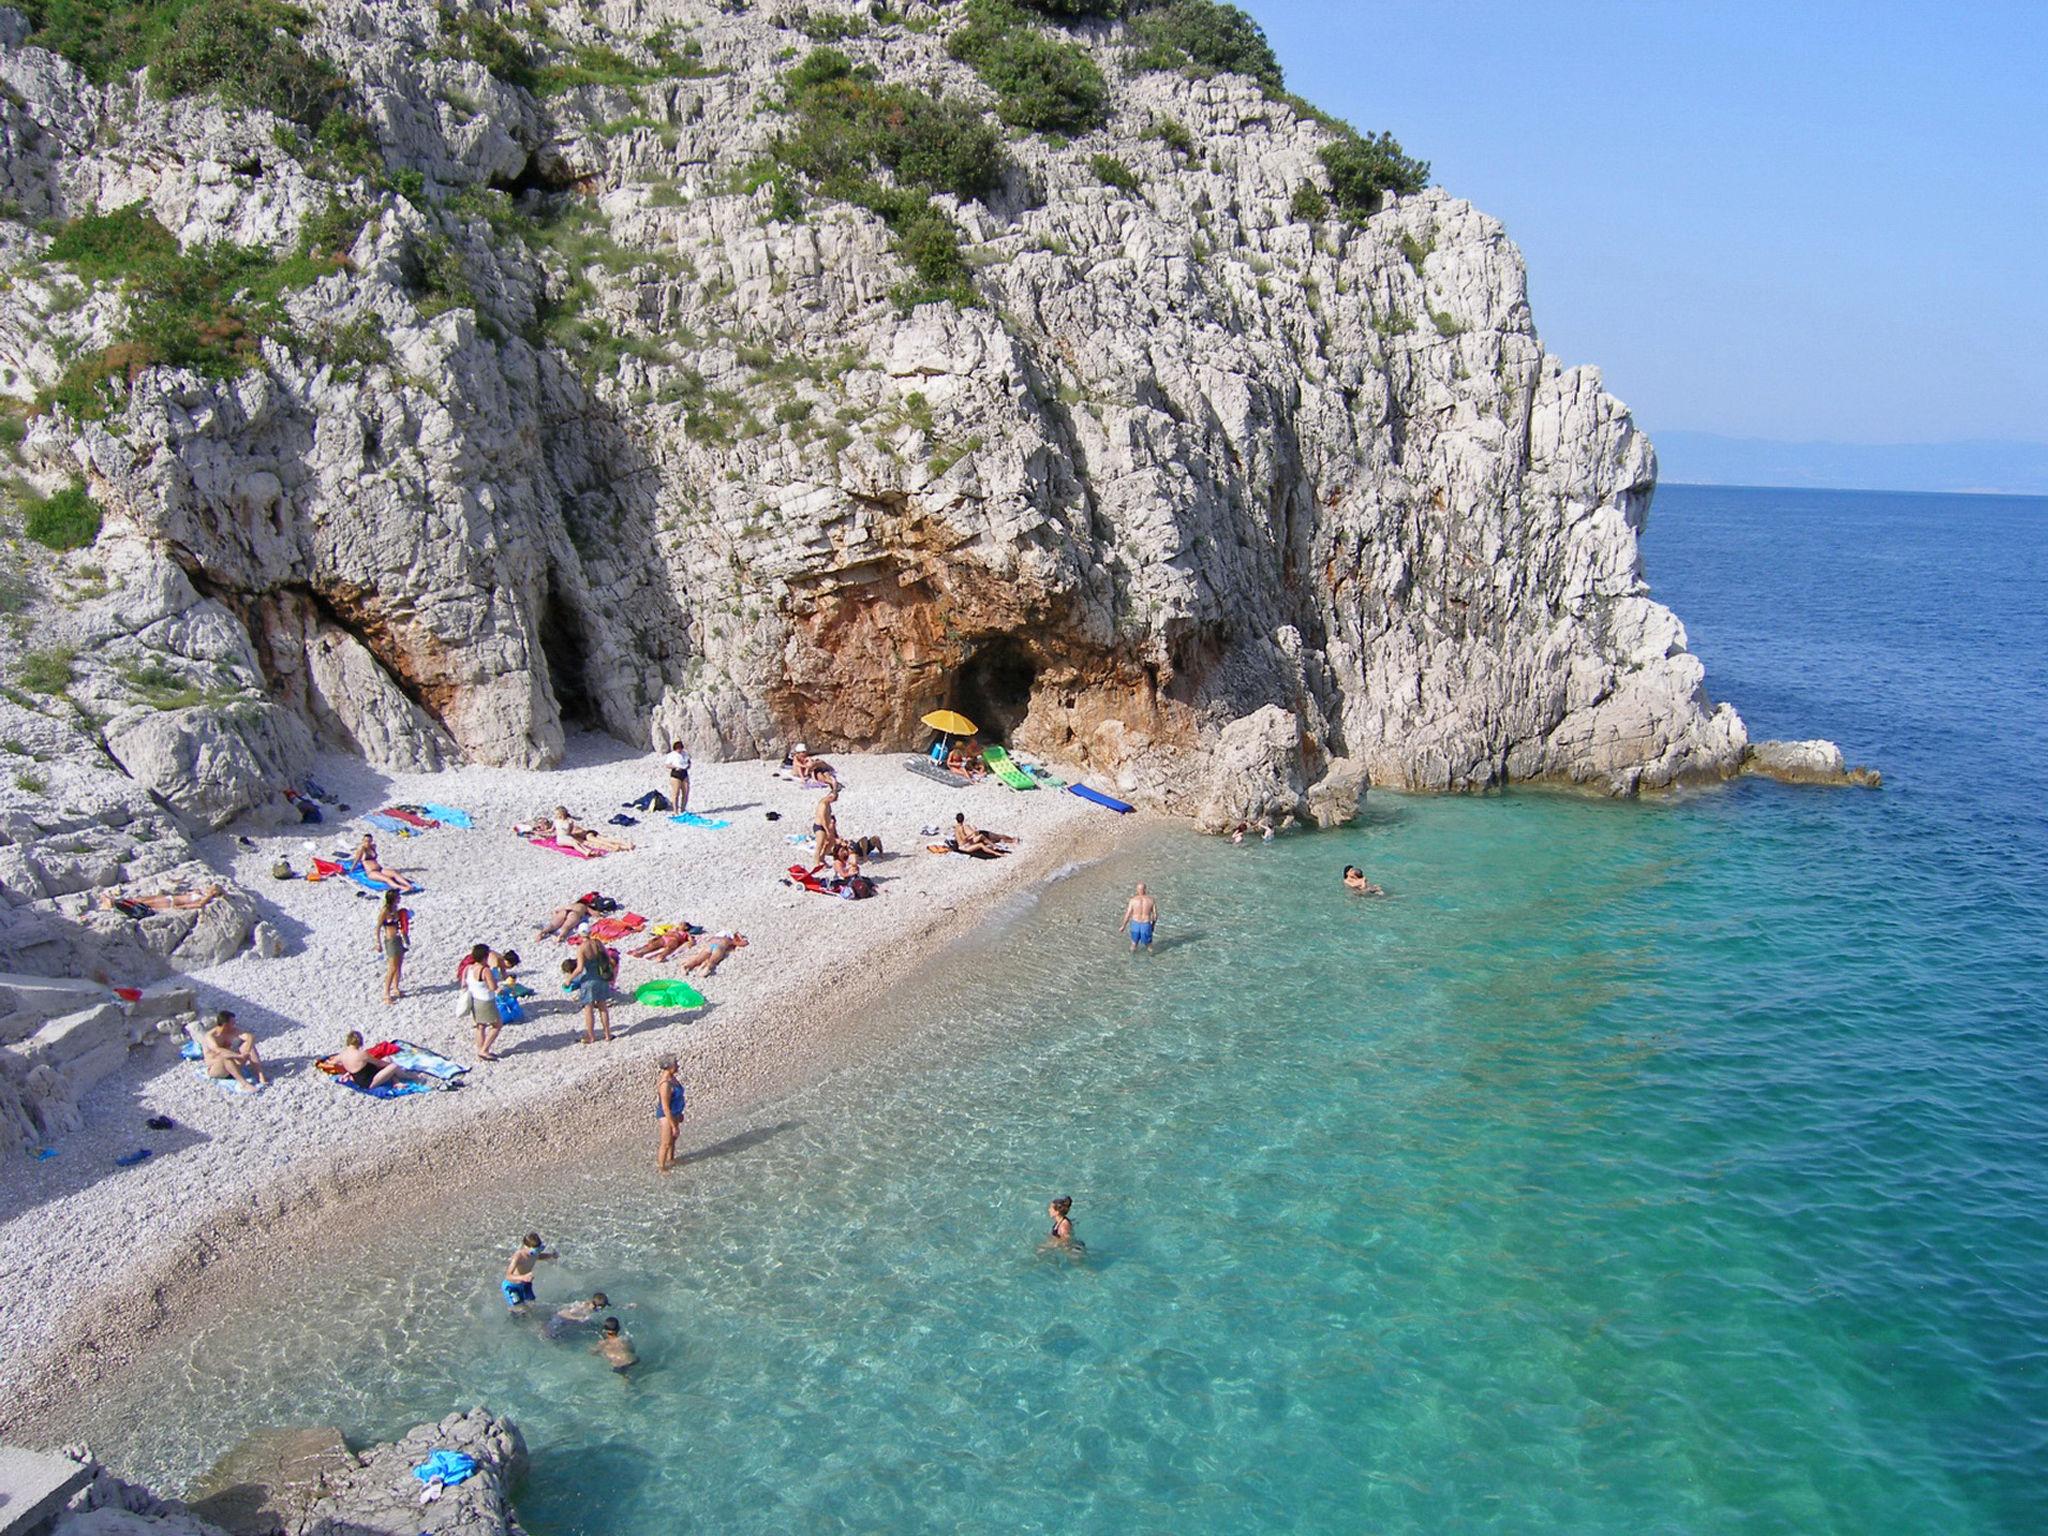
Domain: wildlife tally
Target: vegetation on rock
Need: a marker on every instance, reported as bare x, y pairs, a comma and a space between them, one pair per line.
205, 309
68, 520
1203, 37
1363, 169
249, 51
1041, 82
850, 127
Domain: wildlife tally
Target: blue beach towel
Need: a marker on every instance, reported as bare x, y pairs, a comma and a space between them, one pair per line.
451, 1467
414, 1058
448, 816
692, 819
385, 823
355, 873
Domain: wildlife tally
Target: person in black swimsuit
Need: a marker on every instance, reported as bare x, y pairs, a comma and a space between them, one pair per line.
1062, 1236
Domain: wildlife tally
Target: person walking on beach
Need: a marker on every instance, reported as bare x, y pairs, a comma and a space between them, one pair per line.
1139, 917
394, 937
226, 1050
481, 979
518, 1283
678, 762
669, 1104
589, 977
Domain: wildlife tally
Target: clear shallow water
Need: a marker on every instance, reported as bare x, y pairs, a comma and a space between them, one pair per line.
1633, 1168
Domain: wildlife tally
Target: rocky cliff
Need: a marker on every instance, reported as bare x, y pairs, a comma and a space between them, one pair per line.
446, 379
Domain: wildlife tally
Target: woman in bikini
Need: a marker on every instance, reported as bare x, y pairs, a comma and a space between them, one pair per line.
366, 860
394, 925
664, 945
712, 953
574, 834
1062, 1236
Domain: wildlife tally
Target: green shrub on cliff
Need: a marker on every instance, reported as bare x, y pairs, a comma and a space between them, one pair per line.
207, 309
1363, 169
849, 128
68, 520
1041, 82
249, 51
1203, 37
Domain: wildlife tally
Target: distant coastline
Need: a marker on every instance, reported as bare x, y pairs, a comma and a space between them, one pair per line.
1668, 484
1980, 468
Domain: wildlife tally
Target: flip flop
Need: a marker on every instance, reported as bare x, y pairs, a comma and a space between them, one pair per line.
160, 1123
131, 1159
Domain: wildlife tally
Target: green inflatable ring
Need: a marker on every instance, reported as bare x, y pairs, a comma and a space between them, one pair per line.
668, 994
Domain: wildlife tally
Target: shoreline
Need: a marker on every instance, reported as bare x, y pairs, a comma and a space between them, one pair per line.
794, 1024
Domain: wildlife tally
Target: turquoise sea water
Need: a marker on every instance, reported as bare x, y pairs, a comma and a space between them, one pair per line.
1632, 1168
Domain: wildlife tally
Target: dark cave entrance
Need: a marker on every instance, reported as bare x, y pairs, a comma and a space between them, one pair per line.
993, 688
566, 645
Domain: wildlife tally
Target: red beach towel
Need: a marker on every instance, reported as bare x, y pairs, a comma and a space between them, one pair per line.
574, 853
408, 817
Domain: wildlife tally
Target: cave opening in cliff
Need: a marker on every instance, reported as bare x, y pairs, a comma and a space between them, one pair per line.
565, 645
993, 688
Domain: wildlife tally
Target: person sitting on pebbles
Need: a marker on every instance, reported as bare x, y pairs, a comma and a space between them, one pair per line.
366, 860
969, 839
226, 1049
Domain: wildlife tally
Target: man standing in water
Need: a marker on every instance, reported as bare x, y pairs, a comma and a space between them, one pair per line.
1139, 917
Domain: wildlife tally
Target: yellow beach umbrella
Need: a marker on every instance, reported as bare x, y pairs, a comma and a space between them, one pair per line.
949, 723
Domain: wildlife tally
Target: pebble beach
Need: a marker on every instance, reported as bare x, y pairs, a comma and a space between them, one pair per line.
95, 1257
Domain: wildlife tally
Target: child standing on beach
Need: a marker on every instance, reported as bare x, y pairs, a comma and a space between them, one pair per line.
518, 1282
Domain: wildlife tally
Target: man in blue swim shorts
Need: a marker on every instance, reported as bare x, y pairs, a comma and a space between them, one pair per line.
1139, 917
518, 1283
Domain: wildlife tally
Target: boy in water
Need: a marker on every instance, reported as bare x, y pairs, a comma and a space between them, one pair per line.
1139, 917
518, 1282
616, 1348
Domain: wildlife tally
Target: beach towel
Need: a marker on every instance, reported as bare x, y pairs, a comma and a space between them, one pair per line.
355, 873
925, 769
853, 890
692, 819
322, 868
1045, 776
446, 1467
448, 816
949, 846
568, 848
410, 817
609, 928
385, 823
413, 1058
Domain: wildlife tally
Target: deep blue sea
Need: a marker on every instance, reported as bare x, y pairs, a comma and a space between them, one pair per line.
1667, 1167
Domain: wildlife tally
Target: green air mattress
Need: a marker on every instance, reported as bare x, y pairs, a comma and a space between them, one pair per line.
1000, 765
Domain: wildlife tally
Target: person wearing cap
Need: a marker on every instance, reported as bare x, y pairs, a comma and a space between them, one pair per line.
669, 1104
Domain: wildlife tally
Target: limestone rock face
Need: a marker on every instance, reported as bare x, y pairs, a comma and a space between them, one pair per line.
688, 469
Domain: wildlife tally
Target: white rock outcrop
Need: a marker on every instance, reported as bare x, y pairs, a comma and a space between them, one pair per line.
1195, 456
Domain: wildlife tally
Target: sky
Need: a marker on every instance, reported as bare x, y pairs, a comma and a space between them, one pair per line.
1803, 220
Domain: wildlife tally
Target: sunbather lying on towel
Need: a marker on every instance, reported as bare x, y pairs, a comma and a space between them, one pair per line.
169, 901
970, 840
366, 859
812, 770
663, 945
563, 922
574, 834
709, 955
367, 1072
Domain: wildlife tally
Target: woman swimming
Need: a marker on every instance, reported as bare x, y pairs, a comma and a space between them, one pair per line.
1062, 1235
